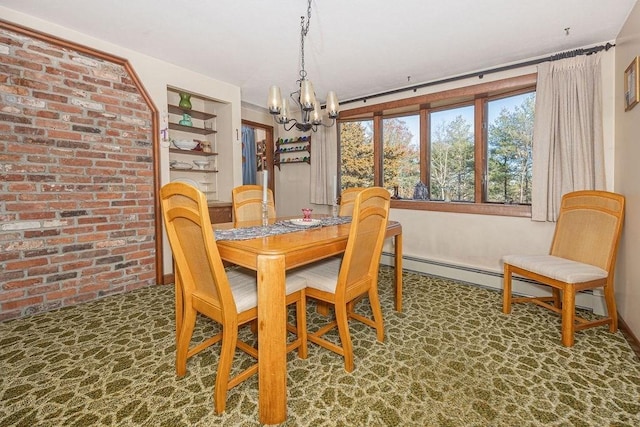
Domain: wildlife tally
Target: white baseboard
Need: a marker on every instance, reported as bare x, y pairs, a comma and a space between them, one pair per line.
590, 300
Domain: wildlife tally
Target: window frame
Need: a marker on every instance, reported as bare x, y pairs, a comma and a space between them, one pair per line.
477, 95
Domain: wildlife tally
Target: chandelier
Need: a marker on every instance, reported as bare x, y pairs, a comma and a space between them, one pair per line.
304, 97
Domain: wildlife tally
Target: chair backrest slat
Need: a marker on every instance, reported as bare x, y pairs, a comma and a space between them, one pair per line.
347, 199
247, 203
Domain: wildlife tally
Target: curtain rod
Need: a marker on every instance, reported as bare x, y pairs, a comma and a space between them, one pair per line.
480, 74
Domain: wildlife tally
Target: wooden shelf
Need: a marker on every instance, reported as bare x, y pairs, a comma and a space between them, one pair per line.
292, 161
200, 115
191, 129
193, 170
297, 150
297, 141
191, 152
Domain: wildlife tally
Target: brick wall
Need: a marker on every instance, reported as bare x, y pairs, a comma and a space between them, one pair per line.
76, 178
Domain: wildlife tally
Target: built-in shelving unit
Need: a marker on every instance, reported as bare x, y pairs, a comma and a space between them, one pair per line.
183, 164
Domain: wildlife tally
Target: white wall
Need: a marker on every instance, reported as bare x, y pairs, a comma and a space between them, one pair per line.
155, 75
627, 177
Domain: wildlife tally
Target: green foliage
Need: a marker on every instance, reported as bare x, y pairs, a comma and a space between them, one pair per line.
510, 159
401, 162
356, 154
452, 161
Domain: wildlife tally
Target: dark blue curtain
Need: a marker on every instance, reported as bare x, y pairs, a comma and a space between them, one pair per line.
249, 161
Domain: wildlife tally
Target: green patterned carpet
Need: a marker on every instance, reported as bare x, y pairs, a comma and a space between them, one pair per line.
450, 359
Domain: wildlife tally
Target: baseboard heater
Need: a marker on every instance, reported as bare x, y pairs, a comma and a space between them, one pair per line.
588, 299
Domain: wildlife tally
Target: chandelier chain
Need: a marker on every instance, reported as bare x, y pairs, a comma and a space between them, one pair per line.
304, 30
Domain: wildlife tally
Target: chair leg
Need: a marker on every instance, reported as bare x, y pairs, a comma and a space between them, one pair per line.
227, 351
179, 298
568, 315
612, 311
345, 337
376, 309
186, 332
506, 294
301, 325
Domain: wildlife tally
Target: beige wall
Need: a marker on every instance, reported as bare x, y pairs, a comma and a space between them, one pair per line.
627, 177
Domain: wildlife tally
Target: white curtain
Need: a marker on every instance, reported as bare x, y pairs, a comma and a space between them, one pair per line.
324, 157
568, 147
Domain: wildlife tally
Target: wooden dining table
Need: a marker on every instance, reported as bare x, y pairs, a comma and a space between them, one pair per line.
271, 257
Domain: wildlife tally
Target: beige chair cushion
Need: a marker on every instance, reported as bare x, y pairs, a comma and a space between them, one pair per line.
322, 275
562, 269
245, 289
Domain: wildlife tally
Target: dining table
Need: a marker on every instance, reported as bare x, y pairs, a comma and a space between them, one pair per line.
271, 250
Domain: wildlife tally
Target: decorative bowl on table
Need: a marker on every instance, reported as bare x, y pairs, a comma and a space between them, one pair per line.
185, 144
201, 164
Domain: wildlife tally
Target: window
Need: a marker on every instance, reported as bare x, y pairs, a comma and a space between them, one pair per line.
401, 154
356, 154
451, 161
470, 147
510, 141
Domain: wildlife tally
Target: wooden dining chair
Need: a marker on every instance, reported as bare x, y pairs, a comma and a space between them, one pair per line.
203, 286
347, 199
339, 282
246, 201
582, 256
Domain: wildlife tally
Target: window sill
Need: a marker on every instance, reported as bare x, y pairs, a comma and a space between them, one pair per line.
523, 211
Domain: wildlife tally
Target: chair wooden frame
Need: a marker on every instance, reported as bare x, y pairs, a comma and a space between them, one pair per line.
587, 235
203, 286
246, 202
357, 275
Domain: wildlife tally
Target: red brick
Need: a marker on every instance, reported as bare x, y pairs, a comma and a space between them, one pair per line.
62, 294
23, 265
21, 303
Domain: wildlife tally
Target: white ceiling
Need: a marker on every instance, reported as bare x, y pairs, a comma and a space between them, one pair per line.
356, 47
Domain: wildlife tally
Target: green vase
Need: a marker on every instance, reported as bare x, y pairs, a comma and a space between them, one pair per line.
185, 101
186, 120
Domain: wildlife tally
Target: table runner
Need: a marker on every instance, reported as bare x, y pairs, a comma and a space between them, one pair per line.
280, 227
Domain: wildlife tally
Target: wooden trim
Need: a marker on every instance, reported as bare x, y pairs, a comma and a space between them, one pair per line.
629, 336
484, 89
523, 211
425, 148
155, 127
377, 149
270, 149
480, 149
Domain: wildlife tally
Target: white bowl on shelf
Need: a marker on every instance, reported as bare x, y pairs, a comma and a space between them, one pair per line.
201, 164
185, 144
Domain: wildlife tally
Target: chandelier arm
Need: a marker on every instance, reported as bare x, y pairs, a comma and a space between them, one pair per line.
293, 123
333, 122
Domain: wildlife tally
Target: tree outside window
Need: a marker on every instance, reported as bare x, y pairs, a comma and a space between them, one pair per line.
510, 143
356, 154
452, 156
401, 154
